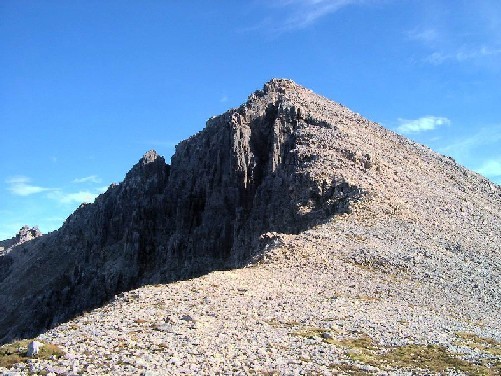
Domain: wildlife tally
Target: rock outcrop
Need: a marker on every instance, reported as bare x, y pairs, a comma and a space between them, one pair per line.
285, 161
26, 233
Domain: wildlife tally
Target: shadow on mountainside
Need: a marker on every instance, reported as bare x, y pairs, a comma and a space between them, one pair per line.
237, 179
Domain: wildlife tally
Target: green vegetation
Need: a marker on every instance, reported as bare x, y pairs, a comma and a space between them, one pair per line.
363, 343
433, 358
473, 341
349, 369
309, 332
15, 352
281, 324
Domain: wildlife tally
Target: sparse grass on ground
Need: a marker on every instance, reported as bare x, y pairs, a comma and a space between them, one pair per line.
349, 369
361, 343
310, 332
430, 357
473, 341
281, 324
15, 352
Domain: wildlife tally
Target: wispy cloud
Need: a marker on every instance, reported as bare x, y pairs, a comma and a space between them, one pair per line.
479, 151
491, 168
88, 179
102, 189
423, 124
299, 14
469, 33
462, 55
427, 36
9, 230
465, 146
21, 186
73, 198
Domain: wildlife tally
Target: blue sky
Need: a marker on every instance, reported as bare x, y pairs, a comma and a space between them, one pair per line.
87, 87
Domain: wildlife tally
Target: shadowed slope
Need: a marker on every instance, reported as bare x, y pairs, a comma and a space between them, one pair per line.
242, 176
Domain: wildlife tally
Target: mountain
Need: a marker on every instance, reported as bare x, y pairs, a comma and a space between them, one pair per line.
350, 227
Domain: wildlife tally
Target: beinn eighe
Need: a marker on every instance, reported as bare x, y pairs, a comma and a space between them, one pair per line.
287, 174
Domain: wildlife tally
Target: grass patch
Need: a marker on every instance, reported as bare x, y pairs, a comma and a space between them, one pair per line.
473, 341
349, 369
430, 357
359, 344
281, 324
15, 352
309, 332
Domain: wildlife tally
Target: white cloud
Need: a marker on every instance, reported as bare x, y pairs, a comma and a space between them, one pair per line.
463, 147
436, 58
102, 189
479, 152
462, 55
426, 123
9, 230
310, 11
88, 179
73, 198
20, 186
490, 168
299, 14
473, 37
426, 36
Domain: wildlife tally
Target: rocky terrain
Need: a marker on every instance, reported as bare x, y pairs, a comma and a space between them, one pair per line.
26, 233
290, 236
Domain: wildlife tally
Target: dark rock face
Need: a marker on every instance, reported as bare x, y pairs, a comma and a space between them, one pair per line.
25, 234
242, 176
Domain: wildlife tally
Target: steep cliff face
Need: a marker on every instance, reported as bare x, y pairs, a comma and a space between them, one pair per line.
246, 174
101, 249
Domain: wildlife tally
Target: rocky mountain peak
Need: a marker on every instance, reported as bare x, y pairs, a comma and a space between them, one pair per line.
150, 167
25, 234
278, 90
280, 85
149, 157
285, 163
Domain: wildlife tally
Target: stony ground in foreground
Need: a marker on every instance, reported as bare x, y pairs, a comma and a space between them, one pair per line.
318, 303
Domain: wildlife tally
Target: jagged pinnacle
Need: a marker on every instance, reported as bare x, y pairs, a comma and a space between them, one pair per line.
149, 156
